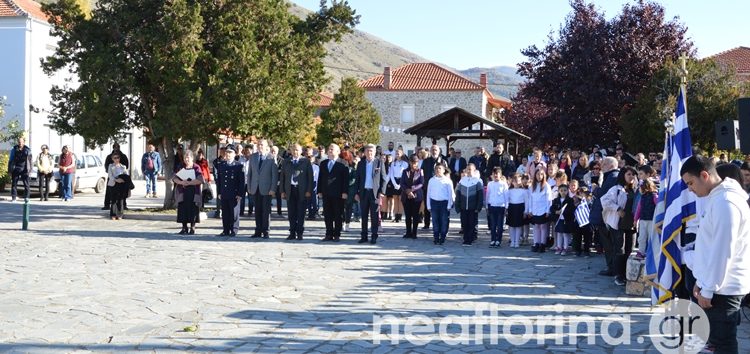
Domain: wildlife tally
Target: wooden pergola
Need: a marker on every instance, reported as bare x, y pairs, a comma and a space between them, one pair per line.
458, 123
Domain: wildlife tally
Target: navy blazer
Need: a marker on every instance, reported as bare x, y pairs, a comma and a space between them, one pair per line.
333, 183
414, 181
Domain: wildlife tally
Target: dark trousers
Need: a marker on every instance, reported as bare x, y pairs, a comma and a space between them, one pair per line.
370, 208
44, 180
622, 246
262, 213
295, 206
723, 317
312, 205
440, 215
469, 222
332, 215
107, 195
411, 211
116, 207
24, 178
228, 205
582, 239
427, 217
605, 241
278, 200
348, 210
495, 221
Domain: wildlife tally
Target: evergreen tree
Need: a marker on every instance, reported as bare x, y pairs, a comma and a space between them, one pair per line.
712, 93
184, 70
351, 119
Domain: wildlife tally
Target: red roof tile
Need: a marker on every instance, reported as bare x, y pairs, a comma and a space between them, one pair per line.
422, 77
324, 99
22, 8
738, 57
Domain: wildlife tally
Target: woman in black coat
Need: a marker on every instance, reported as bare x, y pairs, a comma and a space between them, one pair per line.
412, 194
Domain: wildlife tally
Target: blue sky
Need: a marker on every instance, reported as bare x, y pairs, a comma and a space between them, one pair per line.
483, 33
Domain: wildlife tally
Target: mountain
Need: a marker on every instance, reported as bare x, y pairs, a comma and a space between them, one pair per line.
360, 54
501, 80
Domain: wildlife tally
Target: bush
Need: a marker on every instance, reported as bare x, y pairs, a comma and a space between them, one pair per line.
4, 177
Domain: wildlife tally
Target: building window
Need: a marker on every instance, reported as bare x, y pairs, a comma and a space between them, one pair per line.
446, 107
407, 113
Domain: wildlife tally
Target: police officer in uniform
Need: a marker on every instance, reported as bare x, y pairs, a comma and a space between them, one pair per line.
230, 182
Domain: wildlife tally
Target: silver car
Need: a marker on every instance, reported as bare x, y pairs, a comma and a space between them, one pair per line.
89, 173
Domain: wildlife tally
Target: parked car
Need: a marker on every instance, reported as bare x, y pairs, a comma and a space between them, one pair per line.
89, 173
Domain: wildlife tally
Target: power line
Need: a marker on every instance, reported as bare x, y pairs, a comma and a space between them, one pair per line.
415, 77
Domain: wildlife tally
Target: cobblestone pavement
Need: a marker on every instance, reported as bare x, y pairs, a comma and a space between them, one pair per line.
79, 282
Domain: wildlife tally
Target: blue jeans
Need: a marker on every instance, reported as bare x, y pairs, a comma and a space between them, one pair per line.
440, 215
495, 221
150, 181
66, 180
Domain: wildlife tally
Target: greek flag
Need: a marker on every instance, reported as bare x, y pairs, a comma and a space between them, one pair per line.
582, 214
676, 206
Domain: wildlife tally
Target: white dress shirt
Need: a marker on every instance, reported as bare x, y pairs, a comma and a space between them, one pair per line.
397, 168
518, 196
497, 194
540, 200
439, 189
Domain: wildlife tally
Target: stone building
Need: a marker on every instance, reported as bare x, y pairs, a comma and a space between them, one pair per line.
415, 92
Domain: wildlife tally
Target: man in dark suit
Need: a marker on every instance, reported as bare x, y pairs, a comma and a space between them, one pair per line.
371, 183
333, 184
428, 167
296, 187
230, 183
263, 174
457, 165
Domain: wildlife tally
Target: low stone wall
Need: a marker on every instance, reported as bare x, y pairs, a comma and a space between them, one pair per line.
636, 283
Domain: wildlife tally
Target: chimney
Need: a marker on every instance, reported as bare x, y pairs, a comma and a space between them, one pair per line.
483, 79
387, 77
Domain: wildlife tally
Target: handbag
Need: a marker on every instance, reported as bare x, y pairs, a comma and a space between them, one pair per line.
208, 192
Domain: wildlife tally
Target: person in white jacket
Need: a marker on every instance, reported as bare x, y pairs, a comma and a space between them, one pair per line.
721, 259
439, 201
540, 199
617, 211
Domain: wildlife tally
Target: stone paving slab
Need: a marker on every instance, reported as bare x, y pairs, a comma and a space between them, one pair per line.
79, 282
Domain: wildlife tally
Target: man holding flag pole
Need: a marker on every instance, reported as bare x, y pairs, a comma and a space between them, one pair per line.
719, 257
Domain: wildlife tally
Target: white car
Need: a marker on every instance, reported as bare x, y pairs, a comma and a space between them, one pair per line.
89, 173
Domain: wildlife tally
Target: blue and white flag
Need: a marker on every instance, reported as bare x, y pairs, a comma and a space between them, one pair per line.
582, 214
675, 207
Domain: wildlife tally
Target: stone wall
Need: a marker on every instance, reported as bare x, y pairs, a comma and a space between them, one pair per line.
427, 104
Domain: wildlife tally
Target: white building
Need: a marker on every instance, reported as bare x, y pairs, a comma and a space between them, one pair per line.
25, 40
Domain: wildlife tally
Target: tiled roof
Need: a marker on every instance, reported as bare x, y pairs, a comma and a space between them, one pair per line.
738, 57
422, 77
22, 8
324, 99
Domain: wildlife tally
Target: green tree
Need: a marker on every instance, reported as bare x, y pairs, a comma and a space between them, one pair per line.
184, 70
11, 130
712, 93
351, 119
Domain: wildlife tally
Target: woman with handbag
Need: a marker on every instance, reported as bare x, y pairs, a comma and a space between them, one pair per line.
44, 165
116, 179
617, 211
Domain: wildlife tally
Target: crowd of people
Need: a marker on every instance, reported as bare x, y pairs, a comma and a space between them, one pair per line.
562, 200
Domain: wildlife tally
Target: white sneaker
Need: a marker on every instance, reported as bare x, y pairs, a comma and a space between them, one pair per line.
346, 227
557, 251
563, 253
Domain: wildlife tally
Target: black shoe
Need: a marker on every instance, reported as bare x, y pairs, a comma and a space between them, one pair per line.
255, 236
299, 237
183, 231
542, 248
579, 254
406, 236
327, 238
336, 238
222, 234
291, 237
619, 281
426, 227
460, 232
535, 248
103, 208
265, 235
373, 241
606, 273
232, 234
362, 240
191, 231
435, 242
46, 199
